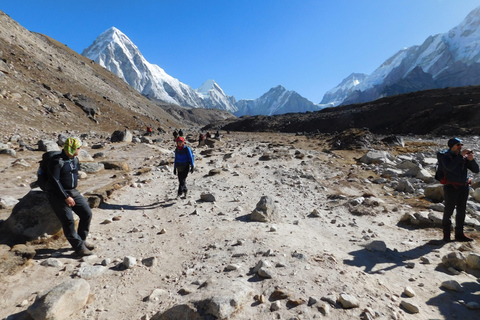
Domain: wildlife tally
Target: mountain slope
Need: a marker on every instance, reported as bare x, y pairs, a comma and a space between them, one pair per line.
277, 100
451, 59
47, 87
215, 98
117, 53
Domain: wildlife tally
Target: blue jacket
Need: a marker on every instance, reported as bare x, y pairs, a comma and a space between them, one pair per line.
183, 157
456, 167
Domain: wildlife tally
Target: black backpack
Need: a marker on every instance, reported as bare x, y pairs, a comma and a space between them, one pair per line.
42, 173
440, 173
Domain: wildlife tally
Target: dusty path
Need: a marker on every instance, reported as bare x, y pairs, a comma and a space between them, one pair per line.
195, 241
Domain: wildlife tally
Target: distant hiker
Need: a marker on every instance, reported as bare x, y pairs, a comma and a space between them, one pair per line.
183, 163
64, 197
209, 135
201, 139
217, 135
175, 135
455, 163
149, 131
180, 133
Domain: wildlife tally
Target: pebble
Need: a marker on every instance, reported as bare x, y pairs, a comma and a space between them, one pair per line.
408, 291
129, 262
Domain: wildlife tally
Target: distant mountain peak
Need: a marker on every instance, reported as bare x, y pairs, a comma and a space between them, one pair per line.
450, 59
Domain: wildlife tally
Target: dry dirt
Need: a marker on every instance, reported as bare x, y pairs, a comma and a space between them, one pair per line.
202, 238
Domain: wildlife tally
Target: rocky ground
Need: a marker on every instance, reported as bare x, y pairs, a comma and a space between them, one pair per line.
334, 248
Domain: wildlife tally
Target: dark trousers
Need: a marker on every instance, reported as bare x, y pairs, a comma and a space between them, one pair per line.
455, 197
182, 178
65, 215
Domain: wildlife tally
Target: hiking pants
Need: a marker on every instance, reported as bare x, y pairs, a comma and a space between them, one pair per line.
455, 197
182, 177
65, 215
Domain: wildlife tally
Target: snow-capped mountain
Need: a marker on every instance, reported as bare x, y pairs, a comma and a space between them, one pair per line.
215, 98
117, 53
450, 59
335, 96
277, 100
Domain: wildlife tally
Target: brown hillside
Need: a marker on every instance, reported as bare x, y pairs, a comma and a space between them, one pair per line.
437, 112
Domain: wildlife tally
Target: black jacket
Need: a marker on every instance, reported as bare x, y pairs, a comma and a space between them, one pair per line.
63, 174
456, 167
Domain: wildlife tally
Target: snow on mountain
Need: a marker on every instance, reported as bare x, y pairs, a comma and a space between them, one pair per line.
335, 96
450, 59
277, 100
215, 98
117, 53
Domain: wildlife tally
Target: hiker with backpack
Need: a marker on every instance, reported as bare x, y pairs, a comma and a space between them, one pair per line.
62, 179
454, 164
182, 164
175, 135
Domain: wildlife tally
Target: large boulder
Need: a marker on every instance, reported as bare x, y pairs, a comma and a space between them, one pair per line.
434, 193
121, 136
48, 145
265, 211
61, 301
88, 106
32, 217
378, 157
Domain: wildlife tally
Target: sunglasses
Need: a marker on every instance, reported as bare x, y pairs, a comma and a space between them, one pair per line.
459, 144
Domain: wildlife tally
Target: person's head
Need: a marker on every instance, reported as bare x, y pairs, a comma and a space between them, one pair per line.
180, 142
72, 147
455, 145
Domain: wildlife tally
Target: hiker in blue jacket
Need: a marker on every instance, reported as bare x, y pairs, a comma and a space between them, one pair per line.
183, 163
65, 199
456, 188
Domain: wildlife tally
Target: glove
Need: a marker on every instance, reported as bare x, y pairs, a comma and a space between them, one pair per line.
191, 169
174, 170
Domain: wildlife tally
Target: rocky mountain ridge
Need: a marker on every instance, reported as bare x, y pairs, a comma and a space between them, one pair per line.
437, 112
47, 87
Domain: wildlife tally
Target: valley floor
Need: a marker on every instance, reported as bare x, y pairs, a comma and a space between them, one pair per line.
215, 245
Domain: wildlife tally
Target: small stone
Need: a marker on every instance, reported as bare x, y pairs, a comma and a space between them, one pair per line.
408, 291
410, 307
52, 262
129, 262
275, 306
150, 262
265, 273
473, 305
348, 301
232, 267
324, 308
452, 285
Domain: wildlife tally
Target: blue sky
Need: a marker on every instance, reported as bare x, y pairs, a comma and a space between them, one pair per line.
250, 46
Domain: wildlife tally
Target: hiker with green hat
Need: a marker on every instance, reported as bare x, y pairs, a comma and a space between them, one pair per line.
65, 199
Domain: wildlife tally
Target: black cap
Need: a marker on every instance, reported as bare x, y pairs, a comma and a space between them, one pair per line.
453, 142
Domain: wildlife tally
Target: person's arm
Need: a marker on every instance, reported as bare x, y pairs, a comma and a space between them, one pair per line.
190, 156
54, 170
472, 164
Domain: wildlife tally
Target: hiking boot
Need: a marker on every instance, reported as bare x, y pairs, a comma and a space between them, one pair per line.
83, 251
89, 245
463, 238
